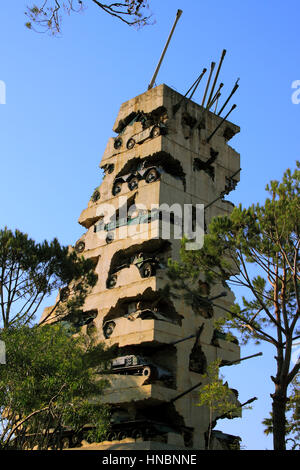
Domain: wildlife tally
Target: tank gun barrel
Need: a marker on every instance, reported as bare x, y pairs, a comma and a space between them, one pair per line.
178, 15
197, 334
223, 294
236, 86
225, 415
212, 66
217, 75
222, 194
202, 113
195, 86
197, 83
186, 392
215, 97
220, 124
230, 363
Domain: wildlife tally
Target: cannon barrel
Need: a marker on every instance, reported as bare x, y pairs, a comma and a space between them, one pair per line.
195, 335
220, 124
217, 102
223, 294
215, 97
195, 85
235, 173
184, 393
230, 363
212, 66
181, 340
222, 193
225, 415
230, 96
217, 75
215, 200
178, 15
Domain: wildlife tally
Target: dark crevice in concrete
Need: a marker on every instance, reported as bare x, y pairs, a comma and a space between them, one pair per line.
139, 254
206, 166
147, 119
160, 159
156, 301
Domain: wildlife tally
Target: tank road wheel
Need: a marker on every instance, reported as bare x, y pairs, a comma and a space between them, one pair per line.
118, 143
108, 329
121, 435
90, 439
147, 372
109, 237
133, 183
111, 436
137, 433
117, 187
152, 176
80, 246
147, 270
64, 443
110, 168
111, 281
155, 132
130, 144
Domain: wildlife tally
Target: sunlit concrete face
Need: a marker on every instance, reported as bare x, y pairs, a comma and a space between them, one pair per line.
130, 297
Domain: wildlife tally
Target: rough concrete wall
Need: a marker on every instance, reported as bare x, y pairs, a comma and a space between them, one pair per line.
181, 181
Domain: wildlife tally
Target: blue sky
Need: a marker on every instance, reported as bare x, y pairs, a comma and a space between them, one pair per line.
63, 95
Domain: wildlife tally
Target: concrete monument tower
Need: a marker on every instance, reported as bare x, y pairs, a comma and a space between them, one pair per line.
162, 155
169, 155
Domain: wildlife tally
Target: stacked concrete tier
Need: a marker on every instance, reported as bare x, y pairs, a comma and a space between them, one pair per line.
157, 158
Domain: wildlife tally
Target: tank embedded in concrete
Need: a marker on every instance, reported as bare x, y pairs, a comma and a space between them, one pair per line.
156, 158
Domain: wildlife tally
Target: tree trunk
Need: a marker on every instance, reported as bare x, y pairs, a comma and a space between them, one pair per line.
209, 429
279, 420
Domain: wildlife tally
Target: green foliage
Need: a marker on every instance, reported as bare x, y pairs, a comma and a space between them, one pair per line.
49, 383
293, 407
30, 271
47, 16
218, 397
